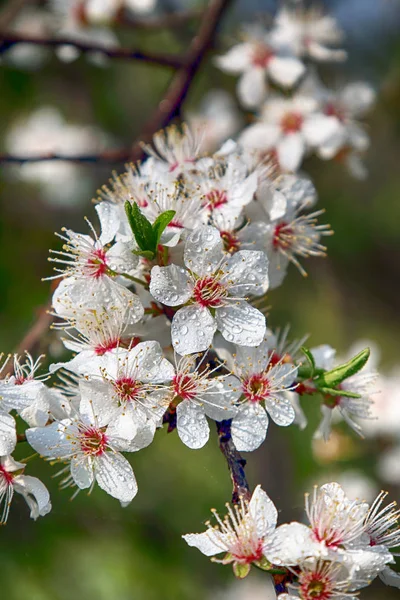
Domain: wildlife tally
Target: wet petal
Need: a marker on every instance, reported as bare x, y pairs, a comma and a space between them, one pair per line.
192, 329
203, 250
170, 285
241, 323
192, 425
115, 476
249, 428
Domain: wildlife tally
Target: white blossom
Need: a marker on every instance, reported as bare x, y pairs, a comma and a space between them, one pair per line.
212, 284
243, 535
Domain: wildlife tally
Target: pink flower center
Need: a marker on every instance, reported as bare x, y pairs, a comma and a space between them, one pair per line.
261, 55
5, 476
231, 242
247, 551
93, 441
256, 387
315, 586
209, 292
291, 122
215, 198
97, 263
281, 239
127, 389
184, 386
106, 346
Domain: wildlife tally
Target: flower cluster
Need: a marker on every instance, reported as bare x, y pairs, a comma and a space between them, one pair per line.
295, 113
343, 548
164, 306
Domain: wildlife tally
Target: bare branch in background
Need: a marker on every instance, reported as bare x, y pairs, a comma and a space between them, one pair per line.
8, 40
166, 110
169, 21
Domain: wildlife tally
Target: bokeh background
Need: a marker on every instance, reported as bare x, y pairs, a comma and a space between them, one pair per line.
91, 547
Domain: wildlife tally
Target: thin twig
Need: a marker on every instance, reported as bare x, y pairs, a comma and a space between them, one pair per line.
166, 110
170, 21
108, 156
7, 40
235, 462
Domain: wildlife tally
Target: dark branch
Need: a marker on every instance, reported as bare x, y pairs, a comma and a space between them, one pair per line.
7, 40
235, 462
169, 21
108, 156
166, 110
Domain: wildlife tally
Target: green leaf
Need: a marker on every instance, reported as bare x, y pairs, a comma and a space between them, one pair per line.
160, 224
336, 392
241, 570
310, 360
145, 253
141, 227
263, 564
331, 379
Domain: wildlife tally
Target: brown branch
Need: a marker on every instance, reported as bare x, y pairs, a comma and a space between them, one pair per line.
171, 21
8, 40
166, 110
235, 462
178, 88
108, 156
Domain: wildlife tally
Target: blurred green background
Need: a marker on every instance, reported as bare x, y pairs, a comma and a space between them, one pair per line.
91, 548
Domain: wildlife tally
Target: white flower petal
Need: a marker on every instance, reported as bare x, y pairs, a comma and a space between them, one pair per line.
241, 323
247, 273
8, 434
170, 285
53, 440
219, 403
318, 128
285, 70
35, 493
280, 410
96, 405
263, 511
82, 471
252, 87
260, 135
192, 425
249, 428
209, 542
236, 60
192, 329
115, 476
358, 98
390, 577
290, 544
203, 250
290, 151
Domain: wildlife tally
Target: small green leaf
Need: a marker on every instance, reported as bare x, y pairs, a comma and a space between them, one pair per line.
145, 253
241, 570
336, 392
310, 360
160, 224
331, 379
263, 564
141, 227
